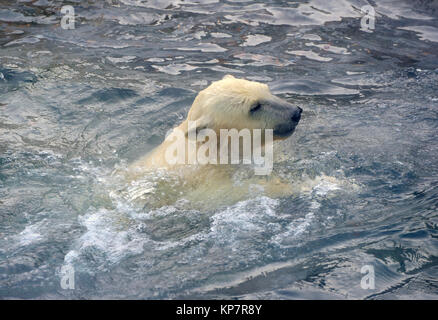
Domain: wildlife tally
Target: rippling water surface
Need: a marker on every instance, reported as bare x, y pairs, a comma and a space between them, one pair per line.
76, 104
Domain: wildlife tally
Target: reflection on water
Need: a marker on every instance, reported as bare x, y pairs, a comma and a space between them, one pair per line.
77, 104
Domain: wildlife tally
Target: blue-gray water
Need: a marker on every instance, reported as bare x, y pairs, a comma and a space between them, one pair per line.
75, 104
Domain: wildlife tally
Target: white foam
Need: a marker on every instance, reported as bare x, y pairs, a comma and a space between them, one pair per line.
245, 216
174, 69
253, 40
113, 235
124, 59
425, 32
328, 47
30, 234
220, 35
324, 187
233, 224
311, 36
309, 55
297, 227
109, 235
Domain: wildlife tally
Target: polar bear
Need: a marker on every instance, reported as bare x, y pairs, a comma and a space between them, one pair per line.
229, 103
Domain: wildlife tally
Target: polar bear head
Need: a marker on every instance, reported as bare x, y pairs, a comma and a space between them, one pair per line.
233, 103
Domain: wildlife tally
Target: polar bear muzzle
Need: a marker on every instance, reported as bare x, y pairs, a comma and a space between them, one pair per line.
283, 116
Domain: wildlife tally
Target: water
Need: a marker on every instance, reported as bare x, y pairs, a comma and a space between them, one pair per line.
76, 104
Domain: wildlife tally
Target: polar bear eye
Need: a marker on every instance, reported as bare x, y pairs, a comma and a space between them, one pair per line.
255, 108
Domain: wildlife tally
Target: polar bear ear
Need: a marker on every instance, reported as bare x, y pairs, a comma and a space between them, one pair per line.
193, 127
228, 76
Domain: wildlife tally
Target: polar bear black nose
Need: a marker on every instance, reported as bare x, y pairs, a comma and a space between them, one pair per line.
296, 116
